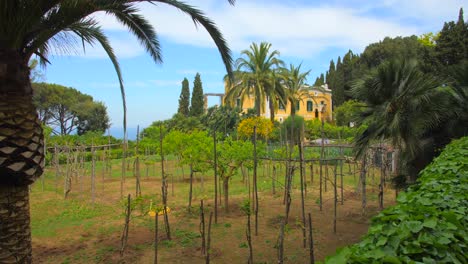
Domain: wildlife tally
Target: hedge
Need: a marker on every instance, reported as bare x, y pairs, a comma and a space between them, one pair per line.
429, 223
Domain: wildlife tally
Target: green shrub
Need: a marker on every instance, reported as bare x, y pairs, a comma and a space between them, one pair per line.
429, 223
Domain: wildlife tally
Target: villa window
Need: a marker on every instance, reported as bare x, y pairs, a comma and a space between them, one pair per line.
281, 106
238, 102
322, 102
309, 106
298, 106
316, 113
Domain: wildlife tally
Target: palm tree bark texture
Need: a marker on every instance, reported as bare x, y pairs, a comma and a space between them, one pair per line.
21, 157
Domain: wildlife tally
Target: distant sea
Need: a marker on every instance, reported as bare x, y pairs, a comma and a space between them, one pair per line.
117, 132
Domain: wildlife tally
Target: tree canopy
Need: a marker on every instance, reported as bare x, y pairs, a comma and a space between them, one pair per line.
68, 111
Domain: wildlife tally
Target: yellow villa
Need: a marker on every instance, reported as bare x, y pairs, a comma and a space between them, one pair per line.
317, 104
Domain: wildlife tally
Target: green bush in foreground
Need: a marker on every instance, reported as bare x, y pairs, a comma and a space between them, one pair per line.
429, 223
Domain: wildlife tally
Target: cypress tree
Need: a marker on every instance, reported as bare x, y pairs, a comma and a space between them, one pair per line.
452, 43
322, 79
338, 90
184, 99
198, 102
317, 82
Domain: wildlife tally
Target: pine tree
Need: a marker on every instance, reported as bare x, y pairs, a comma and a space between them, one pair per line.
184, 99
198, 103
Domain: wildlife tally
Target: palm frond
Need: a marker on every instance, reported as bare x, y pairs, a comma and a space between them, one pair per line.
89, 32
199, 17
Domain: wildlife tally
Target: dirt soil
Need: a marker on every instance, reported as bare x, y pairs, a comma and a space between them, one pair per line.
228, 238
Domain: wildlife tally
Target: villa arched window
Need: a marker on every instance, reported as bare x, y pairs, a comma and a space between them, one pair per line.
309, 106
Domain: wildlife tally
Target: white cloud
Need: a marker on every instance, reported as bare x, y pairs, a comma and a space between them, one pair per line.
123, 46
166, 83
295, 30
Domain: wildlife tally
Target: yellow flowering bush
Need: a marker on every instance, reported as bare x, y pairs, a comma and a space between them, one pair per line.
246, 127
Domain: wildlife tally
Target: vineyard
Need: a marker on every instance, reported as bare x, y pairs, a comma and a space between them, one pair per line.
98, 203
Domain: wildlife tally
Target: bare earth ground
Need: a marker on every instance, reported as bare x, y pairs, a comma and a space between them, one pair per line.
76, 231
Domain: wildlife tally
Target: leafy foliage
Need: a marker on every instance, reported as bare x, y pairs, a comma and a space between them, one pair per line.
194, 149
67, 110
348, 112
222, 118
401, 104
293, 125
429, 223
246, 127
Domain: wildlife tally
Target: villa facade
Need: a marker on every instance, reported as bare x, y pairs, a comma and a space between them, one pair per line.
317, 104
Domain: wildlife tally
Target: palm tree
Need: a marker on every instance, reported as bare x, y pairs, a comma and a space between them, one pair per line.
37, 27
401, 105
293, 82
255, 77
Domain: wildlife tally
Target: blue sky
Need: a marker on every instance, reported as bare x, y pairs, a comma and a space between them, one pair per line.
311, 32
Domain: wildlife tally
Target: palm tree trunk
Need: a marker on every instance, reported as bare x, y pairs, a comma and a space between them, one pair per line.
15, 231
21, 157
272, 110
258, 107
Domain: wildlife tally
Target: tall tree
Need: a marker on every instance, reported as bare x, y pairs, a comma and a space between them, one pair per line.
38, 27
330, 76
197, 106
67, 110
452, 43
184, 99
95, 118
293, 80
255, 76
338, 91
320, 80
401, 105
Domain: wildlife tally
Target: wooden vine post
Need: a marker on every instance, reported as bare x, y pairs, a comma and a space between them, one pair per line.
215, 177
341, 174
109, 155
322, 154
311, 242
208, 242
382, 177
124, 156
124, 237
246, 208
137, 165
335, 196
202, 228
93, 172
363, 182
301, 168
164, 186
68, 181
57, 166
156, 237
255, 178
